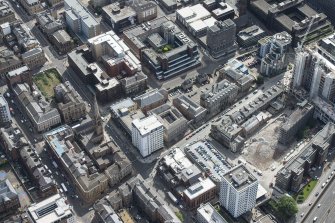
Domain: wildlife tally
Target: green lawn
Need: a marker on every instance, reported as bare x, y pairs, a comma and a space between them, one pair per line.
180, 216
167, 48
46, 81
305, 191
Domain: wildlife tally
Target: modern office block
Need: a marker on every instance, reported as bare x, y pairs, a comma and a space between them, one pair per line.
274, 59
221, 38
80, 20
147, 135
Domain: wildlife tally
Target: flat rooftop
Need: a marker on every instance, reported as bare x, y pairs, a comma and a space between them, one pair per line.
177, 160
209, 159
193, 13
2, 101
240, 177
297, 115
208, 212
123, 104
250, 32
199, 188
118, 14
148, 124
86, 16
50, 209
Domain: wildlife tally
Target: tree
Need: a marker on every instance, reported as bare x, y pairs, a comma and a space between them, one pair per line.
260, 80
287, 206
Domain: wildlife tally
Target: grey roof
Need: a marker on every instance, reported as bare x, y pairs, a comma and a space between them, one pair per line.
5, 9
32, 162
321, 139
24, 35
107, 213
126, 103
151, 97
3, 101
133, 80
251, 32
193, 108
61, 36
35, 110
240, 177
7, 191
143, 5
35, 51
81, 11
116, 13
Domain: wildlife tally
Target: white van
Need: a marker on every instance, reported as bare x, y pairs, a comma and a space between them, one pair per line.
316, 218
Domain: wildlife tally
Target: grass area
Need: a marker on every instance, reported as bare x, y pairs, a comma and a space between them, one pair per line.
180, 216
306, 130
167, 48
218, 209
273, 207
46, 81
305, 192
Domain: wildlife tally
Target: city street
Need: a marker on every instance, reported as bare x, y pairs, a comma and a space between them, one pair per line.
322, 206
326, 211
143, 166
309, 209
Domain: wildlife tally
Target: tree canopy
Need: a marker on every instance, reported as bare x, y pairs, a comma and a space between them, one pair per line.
287, 206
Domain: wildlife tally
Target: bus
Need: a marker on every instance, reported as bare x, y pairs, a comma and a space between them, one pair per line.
55, 164
172, 197
64, 187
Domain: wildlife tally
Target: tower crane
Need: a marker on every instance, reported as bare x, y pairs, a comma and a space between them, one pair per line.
298, 50
300, 45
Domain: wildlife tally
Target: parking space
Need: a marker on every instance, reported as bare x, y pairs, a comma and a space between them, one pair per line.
208, 158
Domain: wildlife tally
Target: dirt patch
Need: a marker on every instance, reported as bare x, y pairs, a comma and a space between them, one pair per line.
263, 148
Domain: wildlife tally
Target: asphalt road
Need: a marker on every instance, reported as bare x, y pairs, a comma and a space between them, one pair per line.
326, 198
326, 212
141, 166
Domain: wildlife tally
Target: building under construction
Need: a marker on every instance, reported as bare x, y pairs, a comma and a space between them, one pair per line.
294, 17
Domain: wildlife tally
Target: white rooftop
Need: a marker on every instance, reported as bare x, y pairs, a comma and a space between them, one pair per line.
119, 47
208, 212
201, 187
210, 21
50, 210
198, 25
3, 101
194, 13
177, 160
147, 124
